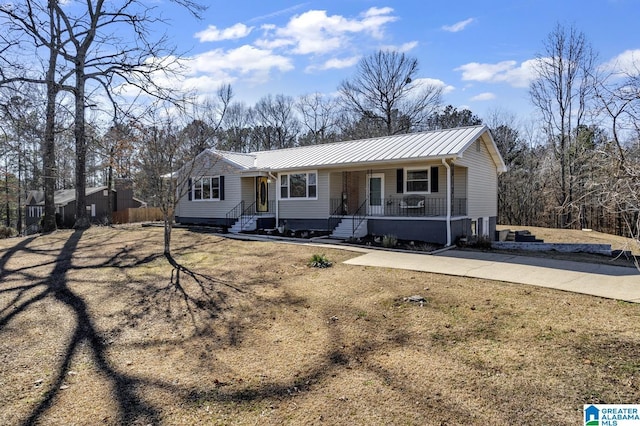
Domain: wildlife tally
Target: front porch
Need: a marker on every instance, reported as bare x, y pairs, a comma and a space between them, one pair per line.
401, 207
415, 191
416, 202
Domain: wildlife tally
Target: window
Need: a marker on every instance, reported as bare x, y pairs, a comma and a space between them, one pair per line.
284, 186
417, 180
299, 185
206, 188
36, 211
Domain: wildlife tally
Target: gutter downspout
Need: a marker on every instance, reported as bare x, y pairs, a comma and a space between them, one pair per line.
446, 165
275, 183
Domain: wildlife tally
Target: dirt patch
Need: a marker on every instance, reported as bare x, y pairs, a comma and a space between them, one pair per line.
92, 330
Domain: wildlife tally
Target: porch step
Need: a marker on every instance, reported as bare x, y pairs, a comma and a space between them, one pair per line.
249, 225
344, 230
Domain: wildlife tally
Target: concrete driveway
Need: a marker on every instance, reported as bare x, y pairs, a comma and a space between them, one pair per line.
613, 282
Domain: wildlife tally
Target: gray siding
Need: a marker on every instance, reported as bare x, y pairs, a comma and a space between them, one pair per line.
459, 181
211, 209
308, 208
482, 181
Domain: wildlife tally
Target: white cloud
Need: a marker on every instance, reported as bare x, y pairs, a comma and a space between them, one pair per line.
336, 63
403, 48
205, 72
375, 20
458, 26
486, 96
446, 88
315, 32
212, 33
248, 62
626, 63
502, 72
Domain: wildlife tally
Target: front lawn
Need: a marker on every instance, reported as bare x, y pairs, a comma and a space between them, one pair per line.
94, 330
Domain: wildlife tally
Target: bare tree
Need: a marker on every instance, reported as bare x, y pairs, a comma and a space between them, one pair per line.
96, 51
34, 24
236, 129
319, 116
21, 128
105, 43
275, 125
617, 182
165, 168
202, 132
563, 92
385, 90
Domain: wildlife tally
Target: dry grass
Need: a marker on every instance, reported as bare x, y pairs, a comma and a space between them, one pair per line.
92, 330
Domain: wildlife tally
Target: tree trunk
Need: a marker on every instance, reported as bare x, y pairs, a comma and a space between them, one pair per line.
167, 235
110, 185
82, 219
6, 194
19, 222
49, 159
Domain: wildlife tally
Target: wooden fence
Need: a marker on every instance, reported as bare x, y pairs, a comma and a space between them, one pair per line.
148, 214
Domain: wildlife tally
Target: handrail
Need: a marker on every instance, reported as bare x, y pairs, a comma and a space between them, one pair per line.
235, 213
247, 215
335, 217
358, 216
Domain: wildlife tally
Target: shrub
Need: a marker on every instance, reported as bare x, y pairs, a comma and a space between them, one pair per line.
319, 261
481, 242
389, 241
6, 232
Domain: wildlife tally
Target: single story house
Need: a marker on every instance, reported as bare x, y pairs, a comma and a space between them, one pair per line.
431, 186
97, 203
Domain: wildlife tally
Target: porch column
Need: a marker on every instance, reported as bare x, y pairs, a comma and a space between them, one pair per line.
276, 180
446, 165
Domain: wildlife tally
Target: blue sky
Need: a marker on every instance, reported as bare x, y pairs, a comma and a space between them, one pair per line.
480, 52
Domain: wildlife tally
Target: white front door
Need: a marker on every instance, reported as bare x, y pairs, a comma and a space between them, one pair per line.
375, 194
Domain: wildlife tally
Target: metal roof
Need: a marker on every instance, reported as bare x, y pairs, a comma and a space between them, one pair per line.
425, 145
62, 197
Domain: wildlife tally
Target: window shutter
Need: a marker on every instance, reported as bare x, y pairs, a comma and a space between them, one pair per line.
190, 185
221, 188
434, 178
400, 181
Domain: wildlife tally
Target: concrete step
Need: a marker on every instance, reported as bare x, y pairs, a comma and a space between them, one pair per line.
248, 226
344, 230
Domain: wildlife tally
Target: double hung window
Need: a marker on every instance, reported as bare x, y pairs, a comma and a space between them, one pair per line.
301, 185
206, 188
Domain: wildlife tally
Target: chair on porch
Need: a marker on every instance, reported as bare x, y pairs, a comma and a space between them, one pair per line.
412, 205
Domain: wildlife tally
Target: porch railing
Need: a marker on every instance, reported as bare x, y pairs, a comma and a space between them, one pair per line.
337, 213
410, 206
235, 213
247, 212
359, 216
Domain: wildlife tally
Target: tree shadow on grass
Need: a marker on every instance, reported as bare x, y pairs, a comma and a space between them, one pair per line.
206, 286
131, 407
127, 389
